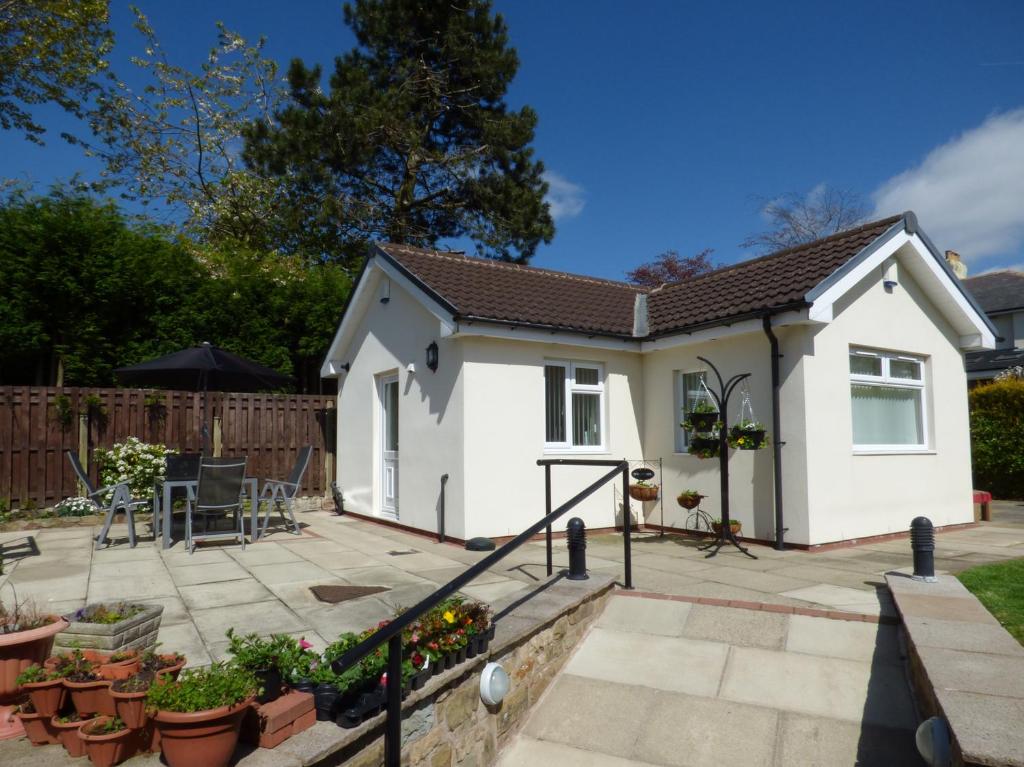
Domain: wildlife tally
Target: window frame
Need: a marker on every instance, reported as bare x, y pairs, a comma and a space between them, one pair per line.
571, 387
681, 437
887, 381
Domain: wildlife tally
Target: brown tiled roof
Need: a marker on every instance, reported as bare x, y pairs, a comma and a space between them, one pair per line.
477, 288
1000, 291
481, 289
778, 279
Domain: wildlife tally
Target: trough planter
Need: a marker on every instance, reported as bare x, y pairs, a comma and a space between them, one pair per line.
105, 749
18, 651
205, 738
37, 728
135, 633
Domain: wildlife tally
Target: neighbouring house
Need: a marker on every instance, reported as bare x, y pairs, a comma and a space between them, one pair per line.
1001, 295
475, 369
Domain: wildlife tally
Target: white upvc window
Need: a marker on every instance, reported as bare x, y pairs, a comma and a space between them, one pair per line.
888, 400
688, 388
574, 406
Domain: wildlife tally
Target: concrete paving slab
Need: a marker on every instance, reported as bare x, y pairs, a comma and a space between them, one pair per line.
211, 573
490, 592
662, 663
987, 725
331, 620
184, 638
768, 581
834, 596
179, 557
1001, 675
131, 568
609, 722
378, 576
269, 617
867, 642
206, 595
442, 575
810, 741
739, 628
342, 559
663, 617
289, 572
958, 635
525, 751
697, 732
174, 610
834, 688
945, 608
143, 587
831, 575
263, 554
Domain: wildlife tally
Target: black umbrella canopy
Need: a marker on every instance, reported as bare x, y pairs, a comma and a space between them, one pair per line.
203, 368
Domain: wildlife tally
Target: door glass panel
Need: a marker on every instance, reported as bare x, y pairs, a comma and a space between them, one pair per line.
391, 416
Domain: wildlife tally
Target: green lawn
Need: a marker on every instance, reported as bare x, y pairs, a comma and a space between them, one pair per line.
1000, 587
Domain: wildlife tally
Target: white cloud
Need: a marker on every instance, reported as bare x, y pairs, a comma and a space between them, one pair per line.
564, 197
968, 193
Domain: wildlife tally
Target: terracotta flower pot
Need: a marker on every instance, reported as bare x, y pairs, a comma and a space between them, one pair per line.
105, 749
18, 651
38, 729
47, 697
130, 708
734, 527
643, 492
120, 670
91, 697
95, 657
67, 733
203, 737
174, 669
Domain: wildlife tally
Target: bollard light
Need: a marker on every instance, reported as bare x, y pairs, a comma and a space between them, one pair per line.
576, 539
494, 684
922, 542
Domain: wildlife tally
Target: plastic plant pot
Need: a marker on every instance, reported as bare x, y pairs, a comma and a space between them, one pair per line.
206, 738
105, 749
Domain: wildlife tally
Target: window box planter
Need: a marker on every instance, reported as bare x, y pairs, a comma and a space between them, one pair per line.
136, 632
643, 492
18, 651
201, 737
67, 734
37, 728
105, 749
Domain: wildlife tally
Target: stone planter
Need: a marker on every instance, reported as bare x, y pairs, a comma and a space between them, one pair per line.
135, 633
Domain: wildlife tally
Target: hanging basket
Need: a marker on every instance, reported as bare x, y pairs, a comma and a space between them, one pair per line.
643, 492
702, 421
747, 439
689, 500
704, 447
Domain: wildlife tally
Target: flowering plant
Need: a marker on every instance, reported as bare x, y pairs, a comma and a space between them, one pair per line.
135, 462
748, 435
75, 507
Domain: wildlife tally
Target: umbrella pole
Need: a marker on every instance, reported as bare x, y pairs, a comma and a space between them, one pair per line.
206, 427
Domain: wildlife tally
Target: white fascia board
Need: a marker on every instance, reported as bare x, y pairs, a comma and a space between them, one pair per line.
718, 332
481, 329
376, 270
823, 300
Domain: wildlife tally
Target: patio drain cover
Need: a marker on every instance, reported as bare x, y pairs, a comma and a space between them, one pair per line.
336, 594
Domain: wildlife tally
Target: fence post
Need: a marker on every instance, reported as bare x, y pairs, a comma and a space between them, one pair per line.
83, 447
218, 437
330, 445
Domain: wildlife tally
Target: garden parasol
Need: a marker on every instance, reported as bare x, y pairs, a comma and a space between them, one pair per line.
203, 368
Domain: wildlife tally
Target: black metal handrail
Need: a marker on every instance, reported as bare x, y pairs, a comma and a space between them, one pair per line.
392, 632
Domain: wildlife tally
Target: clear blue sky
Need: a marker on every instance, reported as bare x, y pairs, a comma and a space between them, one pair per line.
671, 118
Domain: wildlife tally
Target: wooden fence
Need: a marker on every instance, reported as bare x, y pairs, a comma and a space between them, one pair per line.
38, 424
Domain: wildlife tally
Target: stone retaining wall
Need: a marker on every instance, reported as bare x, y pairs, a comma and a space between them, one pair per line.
445, 724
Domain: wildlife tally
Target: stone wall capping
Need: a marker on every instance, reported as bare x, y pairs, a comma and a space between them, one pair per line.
535, 631
965, 667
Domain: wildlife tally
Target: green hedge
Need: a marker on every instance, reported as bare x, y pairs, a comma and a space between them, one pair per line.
997, 438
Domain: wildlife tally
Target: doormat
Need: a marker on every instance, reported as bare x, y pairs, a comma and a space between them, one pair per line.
336, 594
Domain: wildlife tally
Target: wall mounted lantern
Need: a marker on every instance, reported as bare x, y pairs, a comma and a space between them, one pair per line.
432, 356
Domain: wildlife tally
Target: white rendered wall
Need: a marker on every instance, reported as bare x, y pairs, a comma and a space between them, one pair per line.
389, 337
852, 495
504, 418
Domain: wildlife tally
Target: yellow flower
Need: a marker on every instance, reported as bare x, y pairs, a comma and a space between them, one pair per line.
449, 617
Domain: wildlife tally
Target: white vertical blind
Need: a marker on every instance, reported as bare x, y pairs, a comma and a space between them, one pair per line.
554, 403
884, 415
586, 419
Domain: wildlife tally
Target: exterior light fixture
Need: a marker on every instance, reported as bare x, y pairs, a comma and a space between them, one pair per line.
933, 742
432, 356
494, 684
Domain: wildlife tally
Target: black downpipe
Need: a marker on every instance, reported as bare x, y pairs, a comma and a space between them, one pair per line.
777, 443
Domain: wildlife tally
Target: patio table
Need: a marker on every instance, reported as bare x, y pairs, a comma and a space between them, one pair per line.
162, 508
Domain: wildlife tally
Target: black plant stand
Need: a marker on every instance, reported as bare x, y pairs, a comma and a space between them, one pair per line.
721, 397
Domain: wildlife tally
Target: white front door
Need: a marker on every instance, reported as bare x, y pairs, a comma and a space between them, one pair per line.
389, 447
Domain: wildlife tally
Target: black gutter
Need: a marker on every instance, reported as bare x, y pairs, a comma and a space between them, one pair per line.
777, 443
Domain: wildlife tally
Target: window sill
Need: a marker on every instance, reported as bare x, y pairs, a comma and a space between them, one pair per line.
570, 451
897, 451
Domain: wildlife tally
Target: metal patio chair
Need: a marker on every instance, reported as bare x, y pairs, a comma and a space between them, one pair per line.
177, 467
279, 493
120, 500
219, 491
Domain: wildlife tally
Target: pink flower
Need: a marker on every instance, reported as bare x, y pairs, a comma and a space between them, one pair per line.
304, 644
415, 638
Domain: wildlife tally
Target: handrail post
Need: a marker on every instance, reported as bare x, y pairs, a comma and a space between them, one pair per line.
626, 526
547, 511
393, 690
